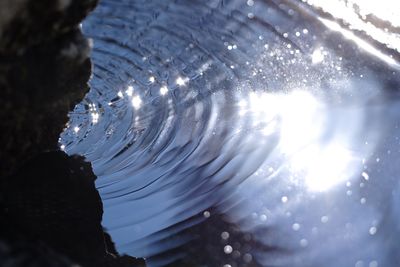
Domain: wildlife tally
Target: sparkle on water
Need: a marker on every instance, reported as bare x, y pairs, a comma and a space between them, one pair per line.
268, 122
129, 91
180, 81
136, 102
163, 90
317, 56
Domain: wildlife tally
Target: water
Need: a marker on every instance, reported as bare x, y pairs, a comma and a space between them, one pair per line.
244, 133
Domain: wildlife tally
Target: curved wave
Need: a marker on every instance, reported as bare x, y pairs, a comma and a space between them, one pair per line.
258, 113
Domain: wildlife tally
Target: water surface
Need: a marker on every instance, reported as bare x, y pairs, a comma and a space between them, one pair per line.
244, 133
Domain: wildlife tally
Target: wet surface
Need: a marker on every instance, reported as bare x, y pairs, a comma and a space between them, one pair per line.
268, 114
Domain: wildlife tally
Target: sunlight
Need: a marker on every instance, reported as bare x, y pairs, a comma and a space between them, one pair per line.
300, 119
385, 9
323, 167
136, 102
317, 56
361, 43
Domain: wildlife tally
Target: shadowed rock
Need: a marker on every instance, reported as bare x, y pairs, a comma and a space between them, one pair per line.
44, 69
50, 209
52, 198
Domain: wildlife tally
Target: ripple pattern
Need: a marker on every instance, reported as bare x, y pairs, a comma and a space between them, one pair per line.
205, 116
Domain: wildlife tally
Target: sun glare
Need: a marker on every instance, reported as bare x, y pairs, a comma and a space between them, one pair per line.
300, 120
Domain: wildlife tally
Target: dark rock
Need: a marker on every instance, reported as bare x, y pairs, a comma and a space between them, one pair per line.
50, 210
30, 254
115, 259
44, 69
37, 91
26, 23
52, 198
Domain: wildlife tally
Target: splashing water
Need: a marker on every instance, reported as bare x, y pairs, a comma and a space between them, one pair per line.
268, 115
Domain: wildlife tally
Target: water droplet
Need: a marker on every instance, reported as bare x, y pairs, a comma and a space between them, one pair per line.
365, 175
314, 230
228, 249
373, 230
263, 217
303, 242
225, 235
296, 227
236, 254
247, 257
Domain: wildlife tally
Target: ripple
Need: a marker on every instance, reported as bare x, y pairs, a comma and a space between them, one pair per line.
254, 113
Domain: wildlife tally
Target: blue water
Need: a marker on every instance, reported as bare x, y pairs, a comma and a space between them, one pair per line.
248, 133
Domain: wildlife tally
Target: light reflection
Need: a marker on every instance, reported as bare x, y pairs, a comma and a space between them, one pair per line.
301, 121
129, 91
298, 118
372, 230
360, 42
365, 175
181, 81
163, 90
357, 15
385, 9
317, 56
323, 167
136, 102
95, 117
